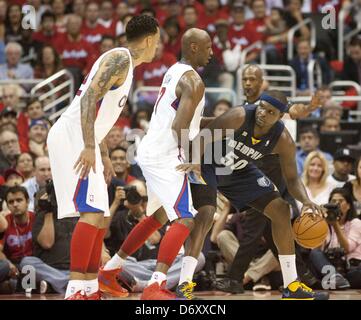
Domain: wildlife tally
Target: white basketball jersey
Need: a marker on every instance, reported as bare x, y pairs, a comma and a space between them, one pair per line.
109, 107
159, 140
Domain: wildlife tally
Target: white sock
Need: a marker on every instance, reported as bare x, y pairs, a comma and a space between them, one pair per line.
288, 268
91, 286
157, 277
73, 287
189, 265
114, 263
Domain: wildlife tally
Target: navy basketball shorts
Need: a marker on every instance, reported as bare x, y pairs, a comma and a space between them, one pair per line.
248, 187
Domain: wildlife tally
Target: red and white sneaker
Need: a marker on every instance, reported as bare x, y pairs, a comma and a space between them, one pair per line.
157, 292
108, 283
95, 296
79, 295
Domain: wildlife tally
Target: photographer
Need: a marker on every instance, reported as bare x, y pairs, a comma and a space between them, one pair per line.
342, 248
51, 241
138, 268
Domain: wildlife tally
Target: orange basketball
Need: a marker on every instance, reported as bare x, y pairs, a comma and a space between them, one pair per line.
310, 232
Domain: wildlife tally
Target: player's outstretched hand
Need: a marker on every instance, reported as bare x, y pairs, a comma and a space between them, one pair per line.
188, 167
315, 102
85, 162
313, 209
109, 172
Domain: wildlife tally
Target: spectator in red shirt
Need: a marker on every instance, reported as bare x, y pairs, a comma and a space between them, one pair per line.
237, 32
92, 31
151, 74
17, 240
173, 43
58, 8
121, 11
106, 17
47, 34
190, 17
25, 165
211, 14
74, 50
258, 23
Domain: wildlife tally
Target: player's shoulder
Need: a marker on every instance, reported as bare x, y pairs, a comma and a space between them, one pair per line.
191, 80
117, 56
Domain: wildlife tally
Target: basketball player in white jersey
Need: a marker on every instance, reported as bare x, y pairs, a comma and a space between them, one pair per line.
79, 157
177, 110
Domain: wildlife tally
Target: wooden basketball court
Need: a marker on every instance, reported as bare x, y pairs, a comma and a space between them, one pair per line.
206, 295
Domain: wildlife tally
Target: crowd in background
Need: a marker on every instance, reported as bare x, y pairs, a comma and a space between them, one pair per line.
72, 35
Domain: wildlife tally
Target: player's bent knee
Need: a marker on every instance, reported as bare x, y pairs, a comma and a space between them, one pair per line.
189, 223
278, 210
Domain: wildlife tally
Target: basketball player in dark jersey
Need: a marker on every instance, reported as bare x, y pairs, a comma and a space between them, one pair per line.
255, 132
204, 196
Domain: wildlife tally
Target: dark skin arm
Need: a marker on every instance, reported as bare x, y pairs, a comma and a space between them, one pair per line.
286, 149
205, 121
108, 167
226, 123
190, 90
112, 71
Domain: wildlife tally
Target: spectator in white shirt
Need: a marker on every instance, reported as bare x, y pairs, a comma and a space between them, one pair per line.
342, 163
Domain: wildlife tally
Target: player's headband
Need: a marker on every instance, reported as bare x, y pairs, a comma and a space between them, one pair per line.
274, 102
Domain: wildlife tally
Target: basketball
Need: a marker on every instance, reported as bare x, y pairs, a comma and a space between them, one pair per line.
310, 232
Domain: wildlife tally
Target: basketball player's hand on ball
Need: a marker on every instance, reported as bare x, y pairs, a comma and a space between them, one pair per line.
85, 162
313, 209
109, 172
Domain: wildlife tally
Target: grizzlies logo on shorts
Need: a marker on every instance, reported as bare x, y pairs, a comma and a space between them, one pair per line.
264, 182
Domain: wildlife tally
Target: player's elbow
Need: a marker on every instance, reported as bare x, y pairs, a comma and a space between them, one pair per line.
46, 243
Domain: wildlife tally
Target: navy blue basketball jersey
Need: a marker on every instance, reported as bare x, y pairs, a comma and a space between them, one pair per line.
243, 148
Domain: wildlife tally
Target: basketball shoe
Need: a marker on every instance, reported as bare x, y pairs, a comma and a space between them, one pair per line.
296, 290
157, 292
108, 283
185, 291
79, 295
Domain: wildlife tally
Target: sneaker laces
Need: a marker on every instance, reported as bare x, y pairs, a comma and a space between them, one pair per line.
187, 290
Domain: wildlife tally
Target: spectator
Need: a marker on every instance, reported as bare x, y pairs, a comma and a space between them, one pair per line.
342, 246
13, 69
354, 188
3, 9
47, 34
121, 166
115, 138
343, 164
352, 66
42, 173
300, 63
142, 263
258, 23
106, 17
330, 124
121, 12
13, 178
315, 173
74, 50
51, 243
25, 165
79, 8
173, 40
13, 30
309, 141
48, 64
10, 150
17, 240
190, 17
332, 109
211, 13
221, 107
237, 33
92, 31
8, 115
58, 8
293, 16
11, 96
38, 132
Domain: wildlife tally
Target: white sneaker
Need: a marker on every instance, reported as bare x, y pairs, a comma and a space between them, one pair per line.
43, 287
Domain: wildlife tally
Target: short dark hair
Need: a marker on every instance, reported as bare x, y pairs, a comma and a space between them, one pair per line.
32, 100
107, 37
16, 189
309, 130
355, 41
117, 149
148, 10
46, 15
141, 26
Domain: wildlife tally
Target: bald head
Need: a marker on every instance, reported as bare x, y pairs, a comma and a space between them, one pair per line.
197, 46
253, 69
252, 80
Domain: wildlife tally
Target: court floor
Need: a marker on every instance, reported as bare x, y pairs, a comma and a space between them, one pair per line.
207, 295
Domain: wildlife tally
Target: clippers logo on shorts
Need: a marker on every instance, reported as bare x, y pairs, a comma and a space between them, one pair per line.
122, 101
264, 182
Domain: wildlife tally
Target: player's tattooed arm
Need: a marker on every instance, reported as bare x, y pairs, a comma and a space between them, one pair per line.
113, 69
104, 149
